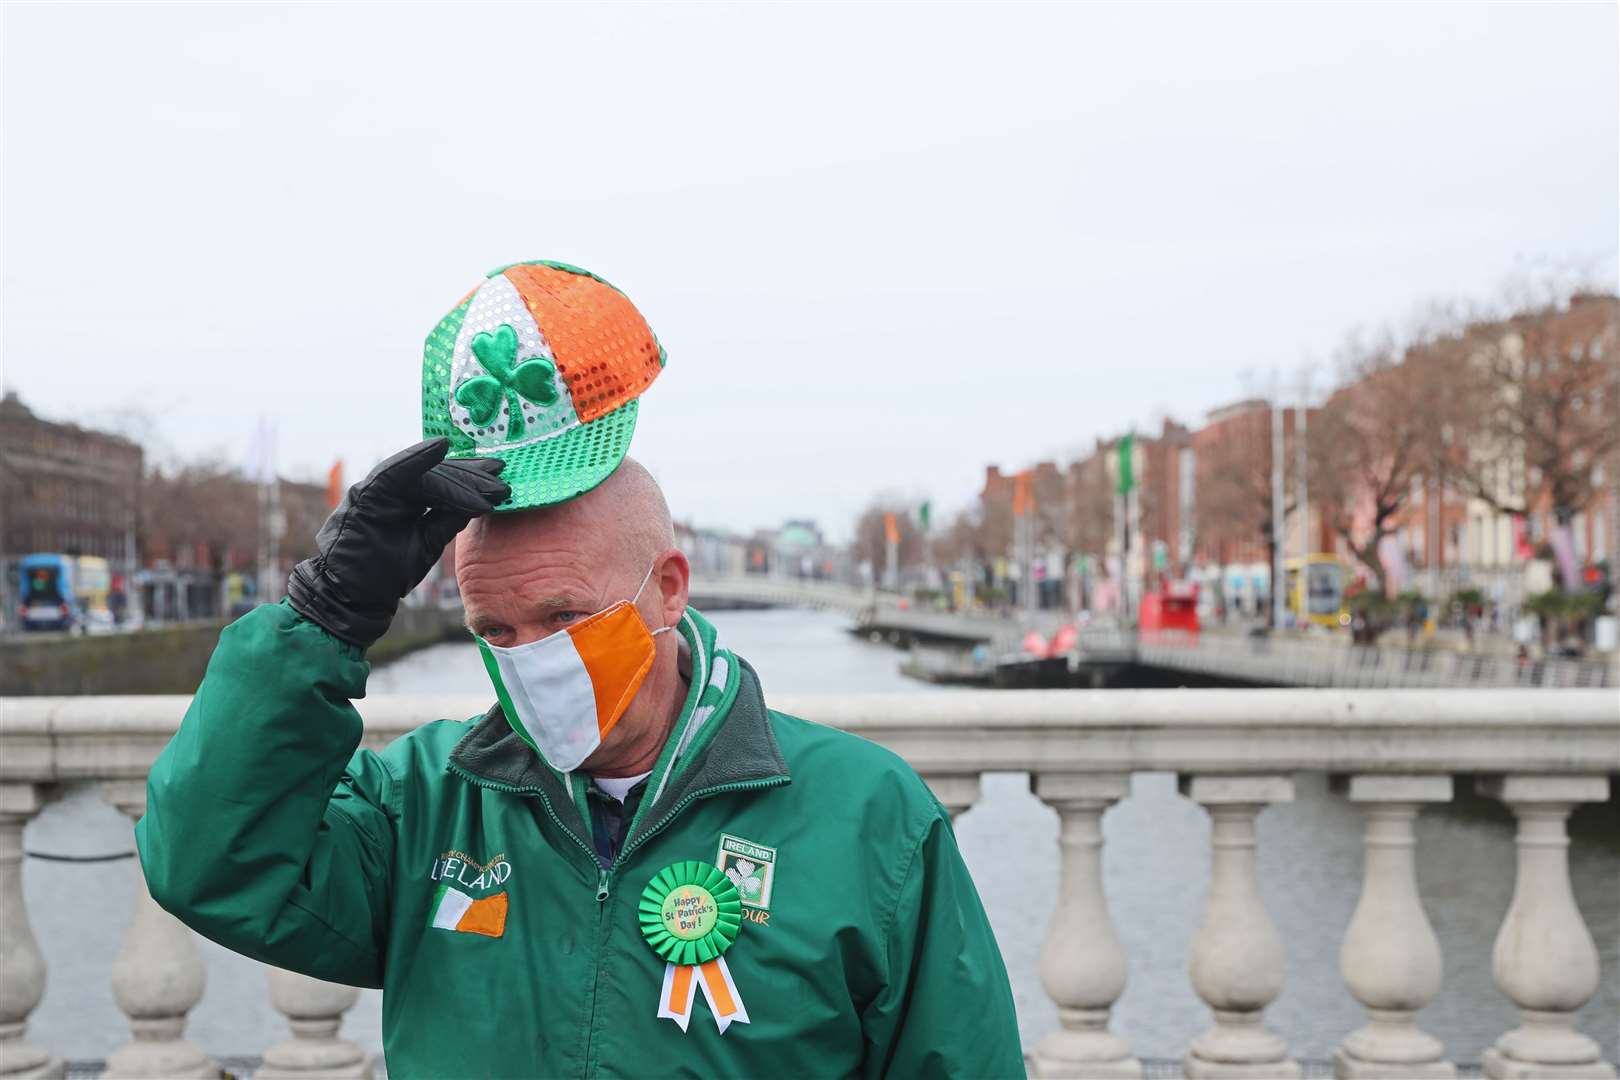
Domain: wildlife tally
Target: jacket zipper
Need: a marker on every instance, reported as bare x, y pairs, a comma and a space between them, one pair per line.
603, 881
512, 789
604, 877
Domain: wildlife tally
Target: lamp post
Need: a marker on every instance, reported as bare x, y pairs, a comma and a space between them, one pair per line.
1278, 600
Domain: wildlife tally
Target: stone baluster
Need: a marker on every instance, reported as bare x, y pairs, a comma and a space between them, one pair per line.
157, 977
1390, 957
1545, 959
314, 1010
1238, 962
957, 792
1083, 962
22, 968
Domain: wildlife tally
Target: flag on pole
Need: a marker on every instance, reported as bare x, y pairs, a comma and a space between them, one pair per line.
334, 484
1023, 498
891, 528
1127, 463
922, 516
261, 454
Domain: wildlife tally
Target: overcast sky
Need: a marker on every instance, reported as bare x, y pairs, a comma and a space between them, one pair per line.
882, 245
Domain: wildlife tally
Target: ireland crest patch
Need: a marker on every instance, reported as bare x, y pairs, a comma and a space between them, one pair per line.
751, 867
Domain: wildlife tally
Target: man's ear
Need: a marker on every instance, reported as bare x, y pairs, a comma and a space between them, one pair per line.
674, 577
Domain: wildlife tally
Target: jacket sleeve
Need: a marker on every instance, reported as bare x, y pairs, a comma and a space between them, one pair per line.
264, 829
946, 1009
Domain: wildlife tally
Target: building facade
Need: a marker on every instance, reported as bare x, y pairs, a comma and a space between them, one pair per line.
67, 489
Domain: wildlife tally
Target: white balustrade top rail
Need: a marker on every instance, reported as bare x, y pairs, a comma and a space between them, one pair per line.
48, 739
1541, 752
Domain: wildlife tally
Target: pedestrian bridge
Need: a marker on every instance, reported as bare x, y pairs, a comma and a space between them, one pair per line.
763, 591
1234, 752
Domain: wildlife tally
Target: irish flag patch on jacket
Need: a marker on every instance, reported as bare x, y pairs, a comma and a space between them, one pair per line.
455, 910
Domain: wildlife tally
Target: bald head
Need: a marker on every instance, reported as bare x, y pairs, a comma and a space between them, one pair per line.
534, 571
624, 519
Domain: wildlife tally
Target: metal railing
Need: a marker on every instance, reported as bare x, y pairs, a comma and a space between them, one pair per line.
1293, 662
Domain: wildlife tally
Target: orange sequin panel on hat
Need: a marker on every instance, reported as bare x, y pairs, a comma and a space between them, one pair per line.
605, 351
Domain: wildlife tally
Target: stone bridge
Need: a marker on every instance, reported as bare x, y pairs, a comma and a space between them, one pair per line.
1234, 752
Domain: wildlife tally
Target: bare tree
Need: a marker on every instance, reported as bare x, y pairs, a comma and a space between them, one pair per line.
1090, 519
1543, 408
1049, 512
208, 511
203, 509
1377, 439
995, 523
871, 539
1234, 489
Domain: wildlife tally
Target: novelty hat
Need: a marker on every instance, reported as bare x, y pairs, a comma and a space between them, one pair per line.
540, 366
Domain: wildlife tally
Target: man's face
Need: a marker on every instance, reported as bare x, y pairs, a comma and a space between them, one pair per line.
525, 577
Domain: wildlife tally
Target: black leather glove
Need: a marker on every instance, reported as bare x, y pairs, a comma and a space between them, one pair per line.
386, 535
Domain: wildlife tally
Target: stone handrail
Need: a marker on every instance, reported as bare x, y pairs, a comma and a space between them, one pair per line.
1540, 752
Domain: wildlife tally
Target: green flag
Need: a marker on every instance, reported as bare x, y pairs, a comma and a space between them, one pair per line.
1127, 467
922, 516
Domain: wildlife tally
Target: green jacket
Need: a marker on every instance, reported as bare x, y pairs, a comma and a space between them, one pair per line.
267, 831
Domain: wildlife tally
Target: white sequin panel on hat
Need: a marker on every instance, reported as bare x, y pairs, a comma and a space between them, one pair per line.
497, 303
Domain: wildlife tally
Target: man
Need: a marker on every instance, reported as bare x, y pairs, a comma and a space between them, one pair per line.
551, 888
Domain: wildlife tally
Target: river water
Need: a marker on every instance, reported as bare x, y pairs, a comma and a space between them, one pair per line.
1156, 865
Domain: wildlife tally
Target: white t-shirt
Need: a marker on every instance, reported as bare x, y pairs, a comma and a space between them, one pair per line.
619, 786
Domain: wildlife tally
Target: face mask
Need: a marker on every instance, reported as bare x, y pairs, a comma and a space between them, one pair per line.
563, 693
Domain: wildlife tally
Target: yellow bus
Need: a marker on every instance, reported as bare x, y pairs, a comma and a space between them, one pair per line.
1316, 587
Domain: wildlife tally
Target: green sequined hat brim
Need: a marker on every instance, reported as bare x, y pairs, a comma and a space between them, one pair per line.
566, 465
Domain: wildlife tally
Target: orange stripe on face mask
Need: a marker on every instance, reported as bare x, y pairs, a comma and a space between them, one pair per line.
615, 650
717, 987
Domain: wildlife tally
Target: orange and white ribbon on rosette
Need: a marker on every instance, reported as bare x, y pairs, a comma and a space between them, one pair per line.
681, 982
690, 913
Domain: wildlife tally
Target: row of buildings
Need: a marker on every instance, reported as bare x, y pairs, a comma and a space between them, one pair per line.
1201, 506
182, 543
204, 540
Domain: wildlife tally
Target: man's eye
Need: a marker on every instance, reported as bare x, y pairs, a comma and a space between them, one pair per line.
494, 633
565, 617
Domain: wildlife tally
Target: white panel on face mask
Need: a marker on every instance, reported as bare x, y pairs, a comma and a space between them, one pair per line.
563, 724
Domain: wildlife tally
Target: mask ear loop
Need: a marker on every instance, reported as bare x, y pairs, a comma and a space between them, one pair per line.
636, 598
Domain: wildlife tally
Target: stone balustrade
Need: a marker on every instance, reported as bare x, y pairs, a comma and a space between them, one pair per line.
1391, 753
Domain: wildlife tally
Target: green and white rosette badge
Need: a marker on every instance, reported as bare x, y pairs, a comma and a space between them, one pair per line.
690, 913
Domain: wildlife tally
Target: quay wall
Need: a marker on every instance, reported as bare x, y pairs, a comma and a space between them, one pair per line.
167, 659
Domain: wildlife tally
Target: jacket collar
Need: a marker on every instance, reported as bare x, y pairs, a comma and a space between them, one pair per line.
722, 737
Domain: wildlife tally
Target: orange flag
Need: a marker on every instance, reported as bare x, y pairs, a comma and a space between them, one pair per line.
334, 485
1023, 498
891, 528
